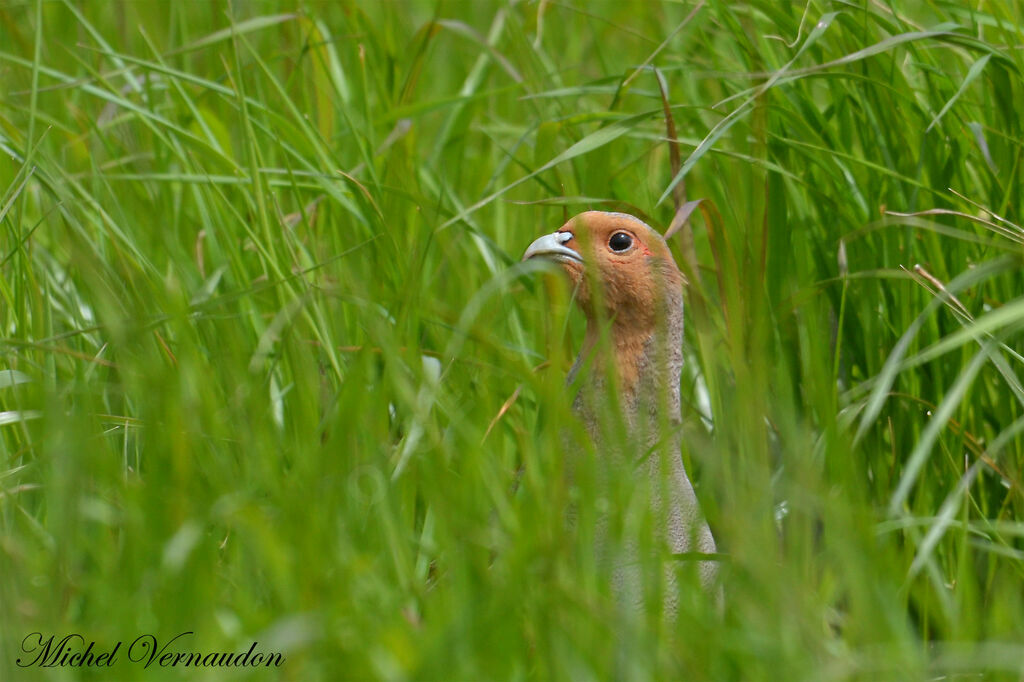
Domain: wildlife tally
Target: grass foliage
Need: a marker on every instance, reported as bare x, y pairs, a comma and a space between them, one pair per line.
271, 369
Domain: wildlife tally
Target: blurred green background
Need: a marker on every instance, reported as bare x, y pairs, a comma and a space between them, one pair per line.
272, 371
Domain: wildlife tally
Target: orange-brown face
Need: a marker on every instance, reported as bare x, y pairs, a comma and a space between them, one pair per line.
623, 254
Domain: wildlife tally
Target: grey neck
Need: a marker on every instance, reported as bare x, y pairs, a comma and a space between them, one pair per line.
658, 366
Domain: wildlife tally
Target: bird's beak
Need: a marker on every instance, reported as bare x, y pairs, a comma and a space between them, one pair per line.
553, 246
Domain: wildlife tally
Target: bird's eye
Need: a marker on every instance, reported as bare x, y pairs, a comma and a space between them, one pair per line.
620, 241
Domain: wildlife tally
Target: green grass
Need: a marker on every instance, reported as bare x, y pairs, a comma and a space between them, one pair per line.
273, 371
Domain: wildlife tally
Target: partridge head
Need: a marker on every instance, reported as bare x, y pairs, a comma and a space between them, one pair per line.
623, 274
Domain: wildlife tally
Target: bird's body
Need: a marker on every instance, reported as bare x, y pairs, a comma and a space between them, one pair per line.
628, 284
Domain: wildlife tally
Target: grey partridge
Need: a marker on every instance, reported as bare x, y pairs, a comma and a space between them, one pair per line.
640, 302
